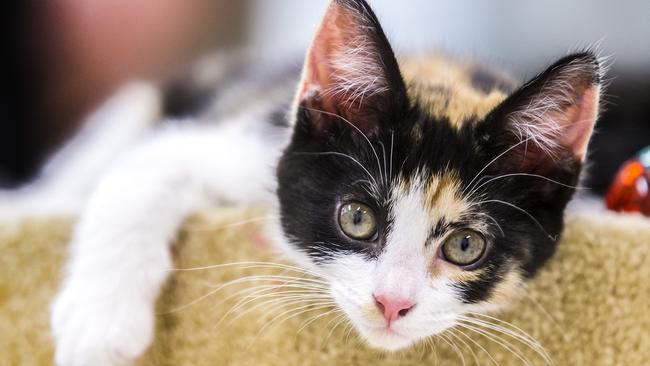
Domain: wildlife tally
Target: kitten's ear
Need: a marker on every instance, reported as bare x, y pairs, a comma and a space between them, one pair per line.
350, 72
551, 116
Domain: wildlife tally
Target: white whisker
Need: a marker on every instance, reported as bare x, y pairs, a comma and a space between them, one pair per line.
469, 185
375, 185
451, 333
516, 333
498, 340
291, 313
454, 347
313, 319
553, 319
278, 300
252, 264
340, 319
522, 211
392, 138
285, 279
374, 151
521, 175
478, 345
235, 224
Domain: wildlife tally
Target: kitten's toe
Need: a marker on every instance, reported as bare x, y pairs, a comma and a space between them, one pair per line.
100, 330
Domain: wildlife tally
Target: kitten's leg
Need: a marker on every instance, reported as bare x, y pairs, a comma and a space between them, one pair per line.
104, 314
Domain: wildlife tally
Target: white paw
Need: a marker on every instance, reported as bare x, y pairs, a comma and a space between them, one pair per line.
93, 327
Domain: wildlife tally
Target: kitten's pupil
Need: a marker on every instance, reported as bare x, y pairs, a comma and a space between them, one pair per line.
464, 244
358, 217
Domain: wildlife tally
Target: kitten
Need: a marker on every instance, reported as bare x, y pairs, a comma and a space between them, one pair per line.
419, 200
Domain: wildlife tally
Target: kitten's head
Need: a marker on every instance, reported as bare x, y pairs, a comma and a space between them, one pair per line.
415, 216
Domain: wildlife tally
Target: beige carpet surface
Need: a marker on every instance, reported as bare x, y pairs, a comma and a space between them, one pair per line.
589, 306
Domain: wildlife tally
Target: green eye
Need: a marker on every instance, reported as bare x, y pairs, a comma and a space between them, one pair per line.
464, 247
357, 221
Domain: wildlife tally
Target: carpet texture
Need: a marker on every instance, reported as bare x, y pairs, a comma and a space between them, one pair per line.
589, 306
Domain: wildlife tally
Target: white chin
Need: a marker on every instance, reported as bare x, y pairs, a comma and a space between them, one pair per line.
385, 340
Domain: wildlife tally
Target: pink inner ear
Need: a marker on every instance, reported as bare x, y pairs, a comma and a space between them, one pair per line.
343, 69
577, 122
331, 37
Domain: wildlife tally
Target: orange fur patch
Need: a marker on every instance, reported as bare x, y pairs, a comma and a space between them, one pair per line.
444, 88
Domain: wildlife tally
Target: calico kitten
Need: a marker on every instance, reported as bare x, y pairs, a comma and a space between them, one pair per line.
420, 193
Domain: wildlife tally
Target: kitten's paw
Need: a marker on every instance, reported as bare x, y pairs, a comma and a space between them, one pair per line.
99, 330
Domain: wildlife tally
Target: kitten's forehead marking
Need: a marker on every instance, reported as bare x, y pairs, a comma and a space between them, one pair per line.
449, 94
442, 198
420, 203
428, 200
403, 262
410, 223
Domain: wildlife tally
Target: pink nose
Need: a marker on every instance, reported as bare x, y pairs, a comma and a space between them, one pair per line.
392, 307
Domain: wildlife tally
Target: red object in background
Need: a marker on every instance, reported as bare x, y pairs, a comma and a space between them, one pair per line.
630, 190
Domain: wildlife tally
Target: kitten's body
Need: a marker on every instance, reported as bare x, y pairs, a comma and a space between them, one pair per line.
419, 145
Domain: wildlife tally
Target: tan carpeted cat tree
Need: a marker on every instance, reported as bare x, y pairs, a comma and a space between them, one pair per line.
589, 306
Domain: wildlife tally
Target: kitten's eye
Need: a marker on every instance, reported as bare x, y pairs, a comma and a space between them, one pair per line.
464, 247
357, 221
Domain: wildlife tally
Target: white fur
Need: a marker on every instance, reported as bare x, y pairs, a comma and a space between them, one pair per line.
120, 249
401, 271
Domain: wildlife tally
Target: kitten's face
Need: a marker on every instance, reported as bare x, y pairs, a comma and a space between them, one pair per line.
415, 221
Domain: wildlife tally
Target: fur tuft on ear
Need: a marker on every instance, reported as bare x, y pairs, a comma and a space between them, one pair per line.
556, 111
350, 70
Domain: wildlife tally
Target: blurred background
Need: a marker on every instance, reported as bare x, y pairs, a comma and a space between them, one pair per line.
67, 56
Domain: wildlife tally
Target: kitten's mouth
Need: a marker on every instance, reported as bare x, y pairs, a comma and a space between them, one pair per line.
387, 330
394, 338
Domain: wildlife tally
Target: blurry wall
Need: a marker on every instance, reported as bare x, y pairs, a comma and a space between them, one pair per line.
520, 35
